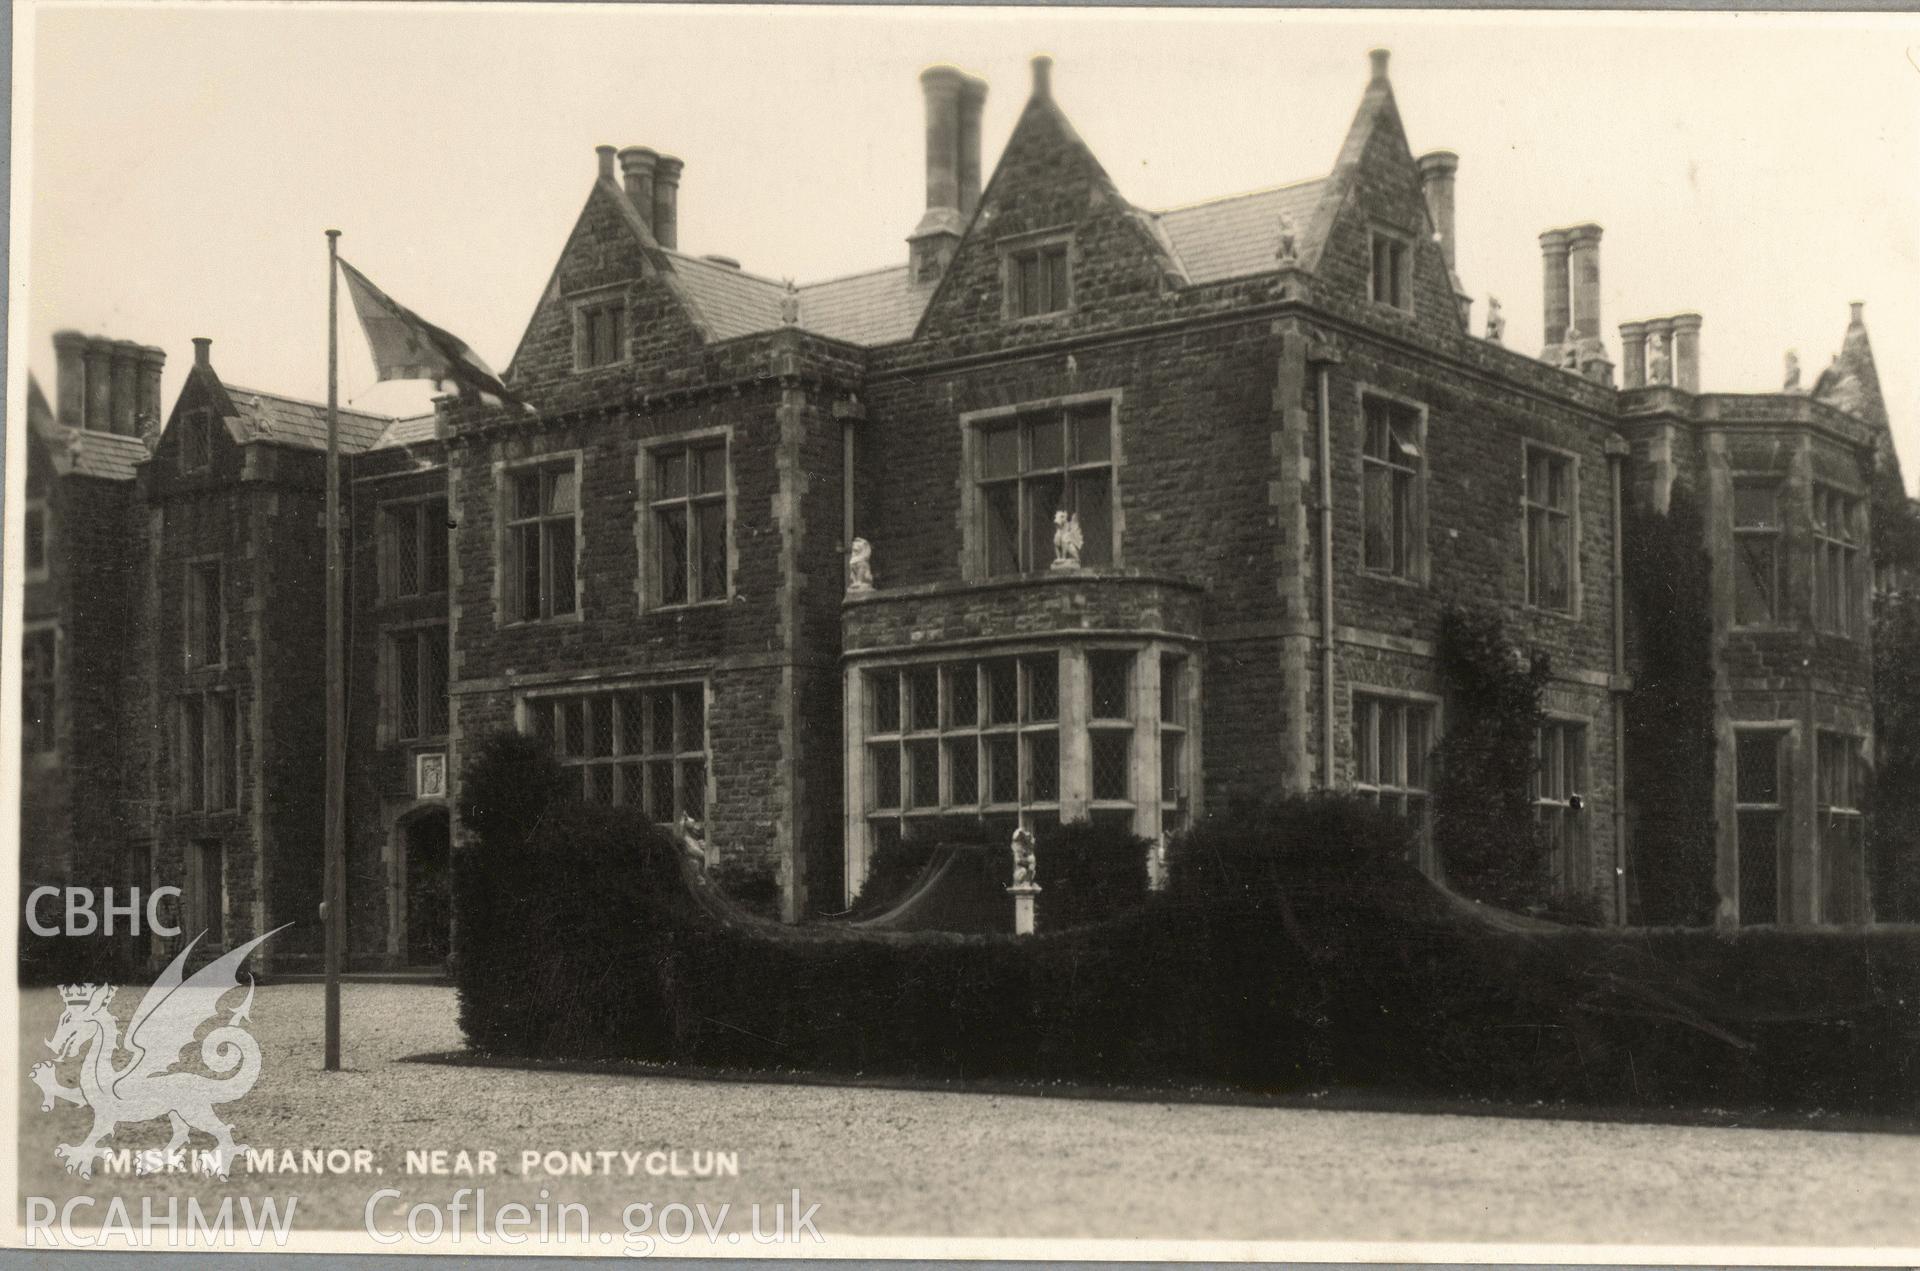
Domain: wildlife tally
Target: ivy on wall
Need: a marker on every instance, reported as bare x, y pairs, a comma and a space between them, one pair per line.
1670, 731
1483, 824
1893, 825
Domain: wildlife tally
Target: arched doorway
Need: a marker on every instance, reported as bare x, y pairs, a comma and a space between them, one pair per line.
427, 877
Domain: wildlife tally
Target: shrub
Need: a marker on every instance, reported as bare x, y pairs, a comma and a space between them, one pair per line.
749, 882
508, 785
1088, 870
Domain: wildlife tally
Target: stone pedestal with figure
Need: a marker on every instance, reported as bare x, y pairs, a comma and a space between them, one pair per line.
1023, 889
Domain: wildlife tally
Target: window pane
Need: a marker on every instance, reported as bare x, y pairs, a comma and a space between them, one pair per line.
1113, 764
1003, 529
1419, 742
633, 725
1043, 766
883, 694
600, 783
1755, 577
713, 551
963, 762
1043, 687
1093, 500
963, 695
1053, 263
883, 763
1173, 689
1403, 542
672, 526
693, 788
923, 774
999, 451
1376, 493
1045, 496
1366, 753
660, 782
1387, 737
1557, 564
526, 494
560, 563
713, 470
573, 728
1092, 434
670, 474
560, 491
1003, 695
1003, 767
923, 698
1173, 776
1756, 767
433, 532
406, 663
690, 722
600, 729
403, 549
661, 732
528, 539
1755, 505
1109, 674
1759, 867
434, 688
1045, 438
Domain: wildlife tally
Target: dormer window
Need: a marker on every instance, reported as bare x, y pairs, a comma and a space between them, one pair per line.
1039, 278
600, 334
1391, 280
196, 440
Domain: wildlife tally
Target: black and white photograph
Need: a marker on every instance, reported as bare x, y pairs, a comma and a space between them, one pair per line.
1040, 633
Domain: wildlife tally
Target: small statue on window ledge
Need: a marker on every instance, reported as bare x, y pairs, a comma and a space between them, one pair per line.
1659, 363
1022, 857
1792, 383
860, 566
1067, 540
1289, 250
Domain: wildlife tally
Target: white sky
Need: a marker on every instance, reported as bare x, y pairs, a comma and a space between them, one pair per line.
185, 160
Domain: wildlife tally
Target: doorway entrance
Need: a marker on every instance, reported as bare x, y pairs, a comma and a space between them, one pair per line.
429, 900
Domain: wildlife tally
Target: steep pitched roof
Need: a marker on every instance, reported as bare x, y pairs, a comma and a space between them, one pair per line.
880, 306
83, 452
276, 417
1238, 235
413, 430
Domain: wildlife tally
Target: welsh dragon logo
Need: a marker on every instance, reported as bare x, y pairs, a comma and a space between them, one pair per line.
148, 1086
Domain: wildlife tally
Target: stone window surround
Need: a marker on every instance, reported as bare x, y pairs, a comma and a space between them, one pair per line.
1075, 744
1779, 483
579, 302
632, 683
1420, 572
1786, 735
1576, 580
504, 471
973, 538
28, 630
1376, 231
1429, 861
385, 589
37, 507
387, 728
1014, 245
646, 583
189, 570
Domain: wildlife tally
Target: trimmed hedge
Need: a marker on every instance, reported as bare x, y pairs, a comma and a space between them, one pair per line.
1293, 948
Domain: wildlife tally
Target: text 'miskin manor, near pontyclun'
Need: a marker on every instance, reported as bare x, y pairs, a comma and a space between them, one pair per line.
1286, 437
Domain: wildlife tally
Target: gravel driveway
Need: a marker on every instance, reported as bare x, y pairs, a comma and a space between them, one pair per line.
905, 1163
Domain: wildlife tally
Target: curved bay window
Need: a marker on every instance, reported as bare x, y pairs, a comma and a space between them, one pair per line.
1027, 737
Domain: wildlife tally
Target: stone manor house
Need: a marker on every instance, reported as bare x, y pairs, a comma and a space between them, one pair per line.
1285, 445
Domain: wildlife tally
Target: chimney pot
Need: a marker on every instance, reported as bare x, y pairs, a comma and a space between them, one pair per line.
99, 404
70, 384
1556, 314
666, 201
1686, 351
639, 164
1379, 59
973, 96
1583, 279
1859, 309
126, 387
606, 161
1043, 77
1633, 354
202, 350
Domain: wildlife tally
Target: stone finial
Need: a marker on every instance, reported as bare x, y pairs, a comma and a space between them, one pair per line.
1659, 361
1288, 253
1067, 540
1496, 321
1791, 383
860, 566
790, 305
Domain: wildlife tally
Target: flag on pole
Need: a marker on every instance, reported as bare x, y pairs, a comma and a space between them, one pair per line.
406, 346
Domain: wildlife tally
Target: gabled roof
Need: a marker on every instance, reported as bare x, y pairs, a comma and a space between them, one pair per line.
414, 430
1237, 235
276, 417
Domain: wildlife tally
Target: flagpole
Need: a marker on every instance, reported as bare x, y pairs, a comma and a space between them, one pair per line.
334, 895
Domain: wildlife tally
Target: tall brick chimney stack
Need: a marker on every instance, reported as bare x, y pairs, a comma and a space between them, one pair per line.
1556, 316
202, 351
148, 415
70, 378
666, 201
605, 155
1686, 351
126, 387
953, 102
1436, 182
638, 164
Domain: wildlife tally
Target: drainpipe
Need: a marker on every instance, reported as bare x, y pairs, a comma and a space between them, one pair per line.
1616, 461
1326, 580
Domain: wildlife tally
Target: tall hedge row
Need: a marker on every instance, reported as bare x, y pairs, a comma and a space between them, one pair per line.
1293, 948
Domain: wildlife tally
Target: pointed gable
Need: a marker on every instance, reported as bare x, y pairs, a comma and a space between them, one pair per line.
609, 254
1375, 188
1049, 187
1852, 384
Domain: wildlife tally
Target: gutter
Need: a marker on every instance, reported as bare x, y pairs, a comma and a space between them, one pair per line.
1616, 463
